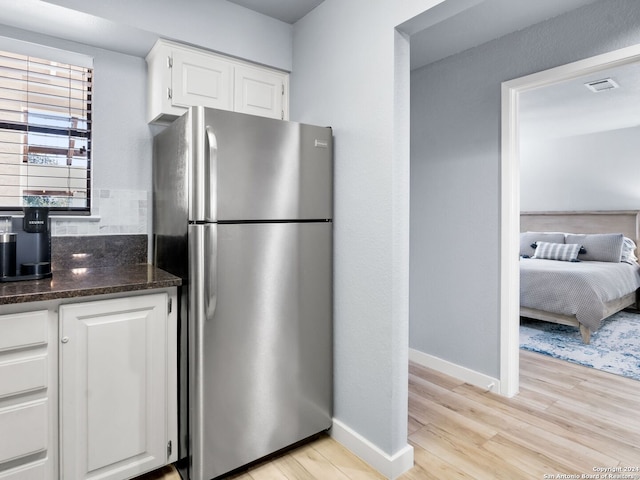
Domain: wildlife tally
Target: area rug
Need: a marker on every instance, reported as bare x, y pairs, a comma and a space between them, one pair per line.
614, 348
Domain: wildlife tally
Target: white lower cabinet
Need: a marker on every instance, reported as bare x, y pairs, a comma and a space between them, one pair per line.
28, 447
114, 367
88, 390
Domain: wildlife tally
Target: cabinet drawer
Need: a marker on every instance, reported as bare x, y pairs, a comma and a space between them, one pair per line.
23, 330
23, 430
34, 471
25, 375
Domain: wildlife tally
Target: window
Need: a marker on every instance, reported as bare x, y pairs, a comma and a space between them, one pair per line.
45, 134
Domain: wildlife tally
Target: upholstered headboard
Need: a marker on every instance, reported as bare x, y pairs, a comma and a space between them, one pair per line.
618, 221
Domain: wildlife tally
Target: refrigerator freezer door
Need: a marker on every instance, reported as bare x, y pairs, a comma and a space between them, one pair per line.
262, 351
254, 168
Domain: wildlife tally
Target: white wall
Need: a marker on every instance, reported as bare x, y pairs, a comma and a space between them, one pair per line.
121, 146
122, 140
215, 24
596, 171
351, 71
455, 177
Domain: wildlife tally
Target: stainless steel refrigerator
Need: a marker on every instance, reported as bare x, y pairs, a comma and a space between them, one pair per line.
242, 211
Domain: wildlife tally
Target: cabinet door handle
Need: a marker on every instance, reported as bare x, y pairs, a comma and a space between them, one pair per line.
64, 339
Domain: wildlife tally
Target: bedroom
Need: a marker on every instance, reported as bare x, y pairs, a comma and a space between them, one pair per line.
580, 158
457, 179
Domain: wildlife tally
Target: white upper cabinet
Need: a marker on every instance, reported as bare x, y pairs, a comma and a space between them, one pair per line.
259, 92
180, 76
199, 79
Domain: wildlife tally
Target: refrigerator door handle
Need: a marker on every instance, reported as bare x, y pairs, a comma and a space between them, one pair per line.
211, 174
203, 296
209, 258
203, 267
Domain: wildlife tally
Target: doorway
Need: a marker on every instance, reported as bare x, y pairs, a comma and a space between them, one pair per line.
510, 196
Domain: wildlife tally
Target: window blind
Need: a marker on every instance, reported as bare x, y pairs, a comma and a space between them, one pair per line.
45, 134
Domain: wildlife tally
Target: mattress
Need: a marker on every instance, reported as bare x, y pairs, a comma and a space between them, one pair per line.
576, 288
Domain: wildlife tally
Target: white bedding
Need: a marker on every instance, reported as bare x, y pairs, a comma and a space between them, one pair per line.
576, 288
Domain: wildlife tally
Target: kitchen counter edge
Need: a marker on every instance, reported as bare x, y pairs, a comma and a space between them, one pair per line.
81, 282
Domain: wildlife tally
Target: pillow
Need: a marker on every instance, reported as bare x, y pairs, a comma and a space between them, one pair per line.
528, 238
566, 252
601, 247
628, 251
582, 249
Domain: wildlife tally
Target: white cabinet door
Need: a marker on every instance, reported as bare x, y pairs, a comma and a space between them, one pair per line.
199, 79
180, 76
260, 92
113, 387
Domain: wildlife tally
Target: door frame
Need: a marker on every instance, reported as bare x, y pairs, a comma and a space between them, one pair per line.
510, 197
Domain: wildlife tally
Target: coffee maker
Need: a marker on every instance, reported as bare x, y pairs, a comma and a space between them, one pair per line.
25, 252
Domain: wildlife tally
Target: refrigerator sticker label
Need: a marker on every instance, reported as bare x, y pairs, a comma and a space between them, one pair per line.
321, 143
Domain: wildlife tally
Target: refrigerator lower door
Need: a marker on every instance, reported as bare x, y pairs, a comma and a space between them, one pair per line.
261, 356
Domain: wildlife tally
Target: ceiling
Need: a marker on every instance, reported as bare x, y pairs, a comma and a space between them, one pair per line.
560, 110
485, 21
78, 20
569, 108
477, 22
289, 11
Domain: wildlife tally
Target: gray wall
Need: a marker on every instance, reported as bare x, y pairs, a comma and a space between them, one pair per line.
597, 171
455, 187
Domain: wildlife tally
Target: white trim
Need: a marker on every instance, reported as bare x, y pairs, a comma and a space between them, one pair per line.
509, 245
391, 466
456, 371
510, 201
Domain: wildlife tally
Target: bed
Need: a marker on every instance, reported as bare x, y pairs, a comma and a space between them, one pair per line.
557, 288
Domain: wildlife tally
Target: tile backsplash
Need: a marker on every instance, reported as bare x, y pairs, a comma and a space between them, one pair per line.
120, 212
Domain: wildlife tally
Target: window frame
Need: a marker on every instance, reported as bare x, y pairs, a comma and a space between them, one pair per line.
69, 133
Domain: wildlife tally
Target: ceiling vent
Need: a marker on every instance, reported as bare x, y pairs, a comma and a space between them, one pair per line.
601, 85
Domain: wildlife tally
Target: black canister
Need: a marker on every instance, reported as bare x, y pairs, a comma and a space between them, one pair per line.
7, 254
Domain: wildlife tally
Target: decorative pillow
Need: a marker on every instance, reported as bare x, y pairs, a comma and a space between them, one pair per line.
601, 247
528, 238
628, 251
566, 252
582, 249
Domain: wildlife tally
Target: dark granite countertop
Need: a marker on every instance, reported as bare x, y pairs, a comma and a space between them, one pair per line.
80, 282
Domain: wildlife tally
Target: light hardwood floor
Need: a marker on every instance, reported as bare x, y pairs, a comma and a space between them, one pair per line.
567, 419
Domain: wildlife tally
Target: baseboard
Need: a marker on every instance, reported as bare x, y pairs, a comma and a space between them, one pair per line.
391, 466
461, 373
